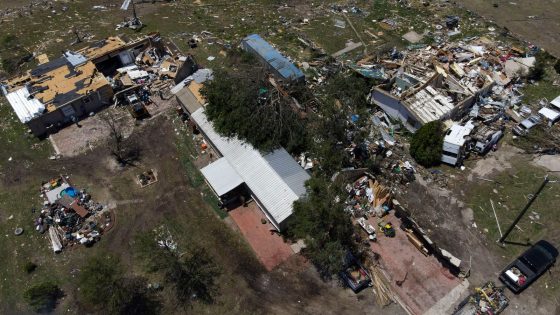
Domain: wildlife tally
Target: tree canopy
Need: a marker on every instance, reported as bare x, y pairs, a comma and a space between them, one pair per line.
322, 222
43, 297
104, 286
247, 106
426, 145
193, 275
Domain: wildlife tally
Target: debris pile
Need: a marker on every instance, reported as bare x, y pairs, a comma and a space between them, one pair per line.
70, 215
489, 300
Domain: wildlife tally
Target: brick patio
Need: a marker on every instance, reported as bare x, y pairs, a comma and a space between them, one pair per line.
269, 247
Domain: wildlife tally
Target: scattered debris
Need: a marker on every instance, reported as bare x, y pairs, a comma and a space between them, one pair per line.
70, 215
489, 300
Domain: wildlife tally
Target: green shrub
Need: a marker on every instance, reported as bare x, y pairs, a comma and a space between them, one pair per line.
427, 144
29, 267
557, 66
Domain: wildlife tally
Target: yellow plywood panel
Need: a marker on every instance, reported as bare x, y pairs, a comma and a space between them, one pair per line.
195, 89
42, 58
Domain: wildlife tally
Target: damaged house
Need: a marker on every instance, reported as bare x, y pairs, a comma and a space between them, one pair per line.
69, 88
432, 86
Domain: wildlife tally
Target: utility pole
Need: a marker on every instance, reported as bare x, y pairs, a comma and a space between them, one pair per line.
535, 195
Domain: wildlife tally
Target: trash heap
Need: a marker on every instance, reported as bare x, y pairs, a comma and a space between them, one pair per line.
366, 196
489, 300
70, 215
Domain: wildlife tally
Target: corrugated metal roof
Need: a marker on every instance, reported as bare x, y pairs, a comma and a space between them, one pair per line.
273, 57
549, 113
556, 102
275, 178
221, 176
26, 108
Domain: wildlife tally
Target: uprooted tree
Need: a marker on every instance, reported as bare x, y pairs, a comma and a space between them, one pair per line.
320, 219
426, 145
123, 149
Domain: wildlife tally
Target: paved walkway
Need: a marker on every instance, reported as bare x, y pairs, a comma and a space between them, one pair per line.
269, 247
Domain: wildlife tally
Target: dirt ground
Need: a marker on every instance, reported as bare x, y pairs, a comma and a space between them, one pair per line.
426, 281
452, 224
245, 285
536, 21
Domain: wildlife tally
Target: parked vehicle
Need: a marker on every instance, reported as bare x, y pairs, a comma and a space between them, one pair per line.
519, 275
522, 129
354, 274
484, 145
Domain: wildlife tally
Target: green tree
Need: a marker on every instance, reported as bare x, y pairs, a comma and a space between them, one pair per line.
193, 275
132, 296
43, 297
194, 278
326, 228
104, 286
29, 267
426, 145
538, 71
245, 105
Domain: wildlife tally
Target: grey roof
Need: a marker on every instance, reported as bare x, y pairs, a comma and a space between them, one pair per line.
275, 179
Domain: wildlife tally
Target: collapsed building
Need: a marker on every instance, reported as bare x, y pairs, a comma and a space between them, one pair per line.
426, 89
82, 82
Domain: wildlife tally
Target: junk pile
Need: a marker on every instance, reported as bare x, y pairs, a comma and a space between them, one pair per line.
147, 178
366, 196
70, 215
488, 300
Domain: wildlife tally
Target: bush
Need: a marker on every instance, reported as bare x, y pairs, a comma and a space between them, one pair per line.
557, 66
427, 144
43, 297
29, 267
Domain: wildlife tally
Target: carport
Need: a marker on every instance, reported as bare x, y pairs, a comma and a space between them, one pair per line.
221, 177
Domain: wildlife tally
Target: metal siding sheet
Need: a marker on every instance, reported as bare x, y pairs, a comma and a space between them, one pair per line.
26, 108
275, 179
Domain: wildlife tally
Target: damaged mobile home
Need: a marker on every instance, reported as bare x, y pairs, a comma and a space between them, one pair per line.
82, 82
240, 172
426, 90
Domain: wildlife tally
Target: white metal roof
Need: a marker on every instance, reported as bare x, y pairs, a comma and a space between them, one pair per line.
556, 102
549, 113
26, 108
428, 105
221, 176
275, 179
456, 134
